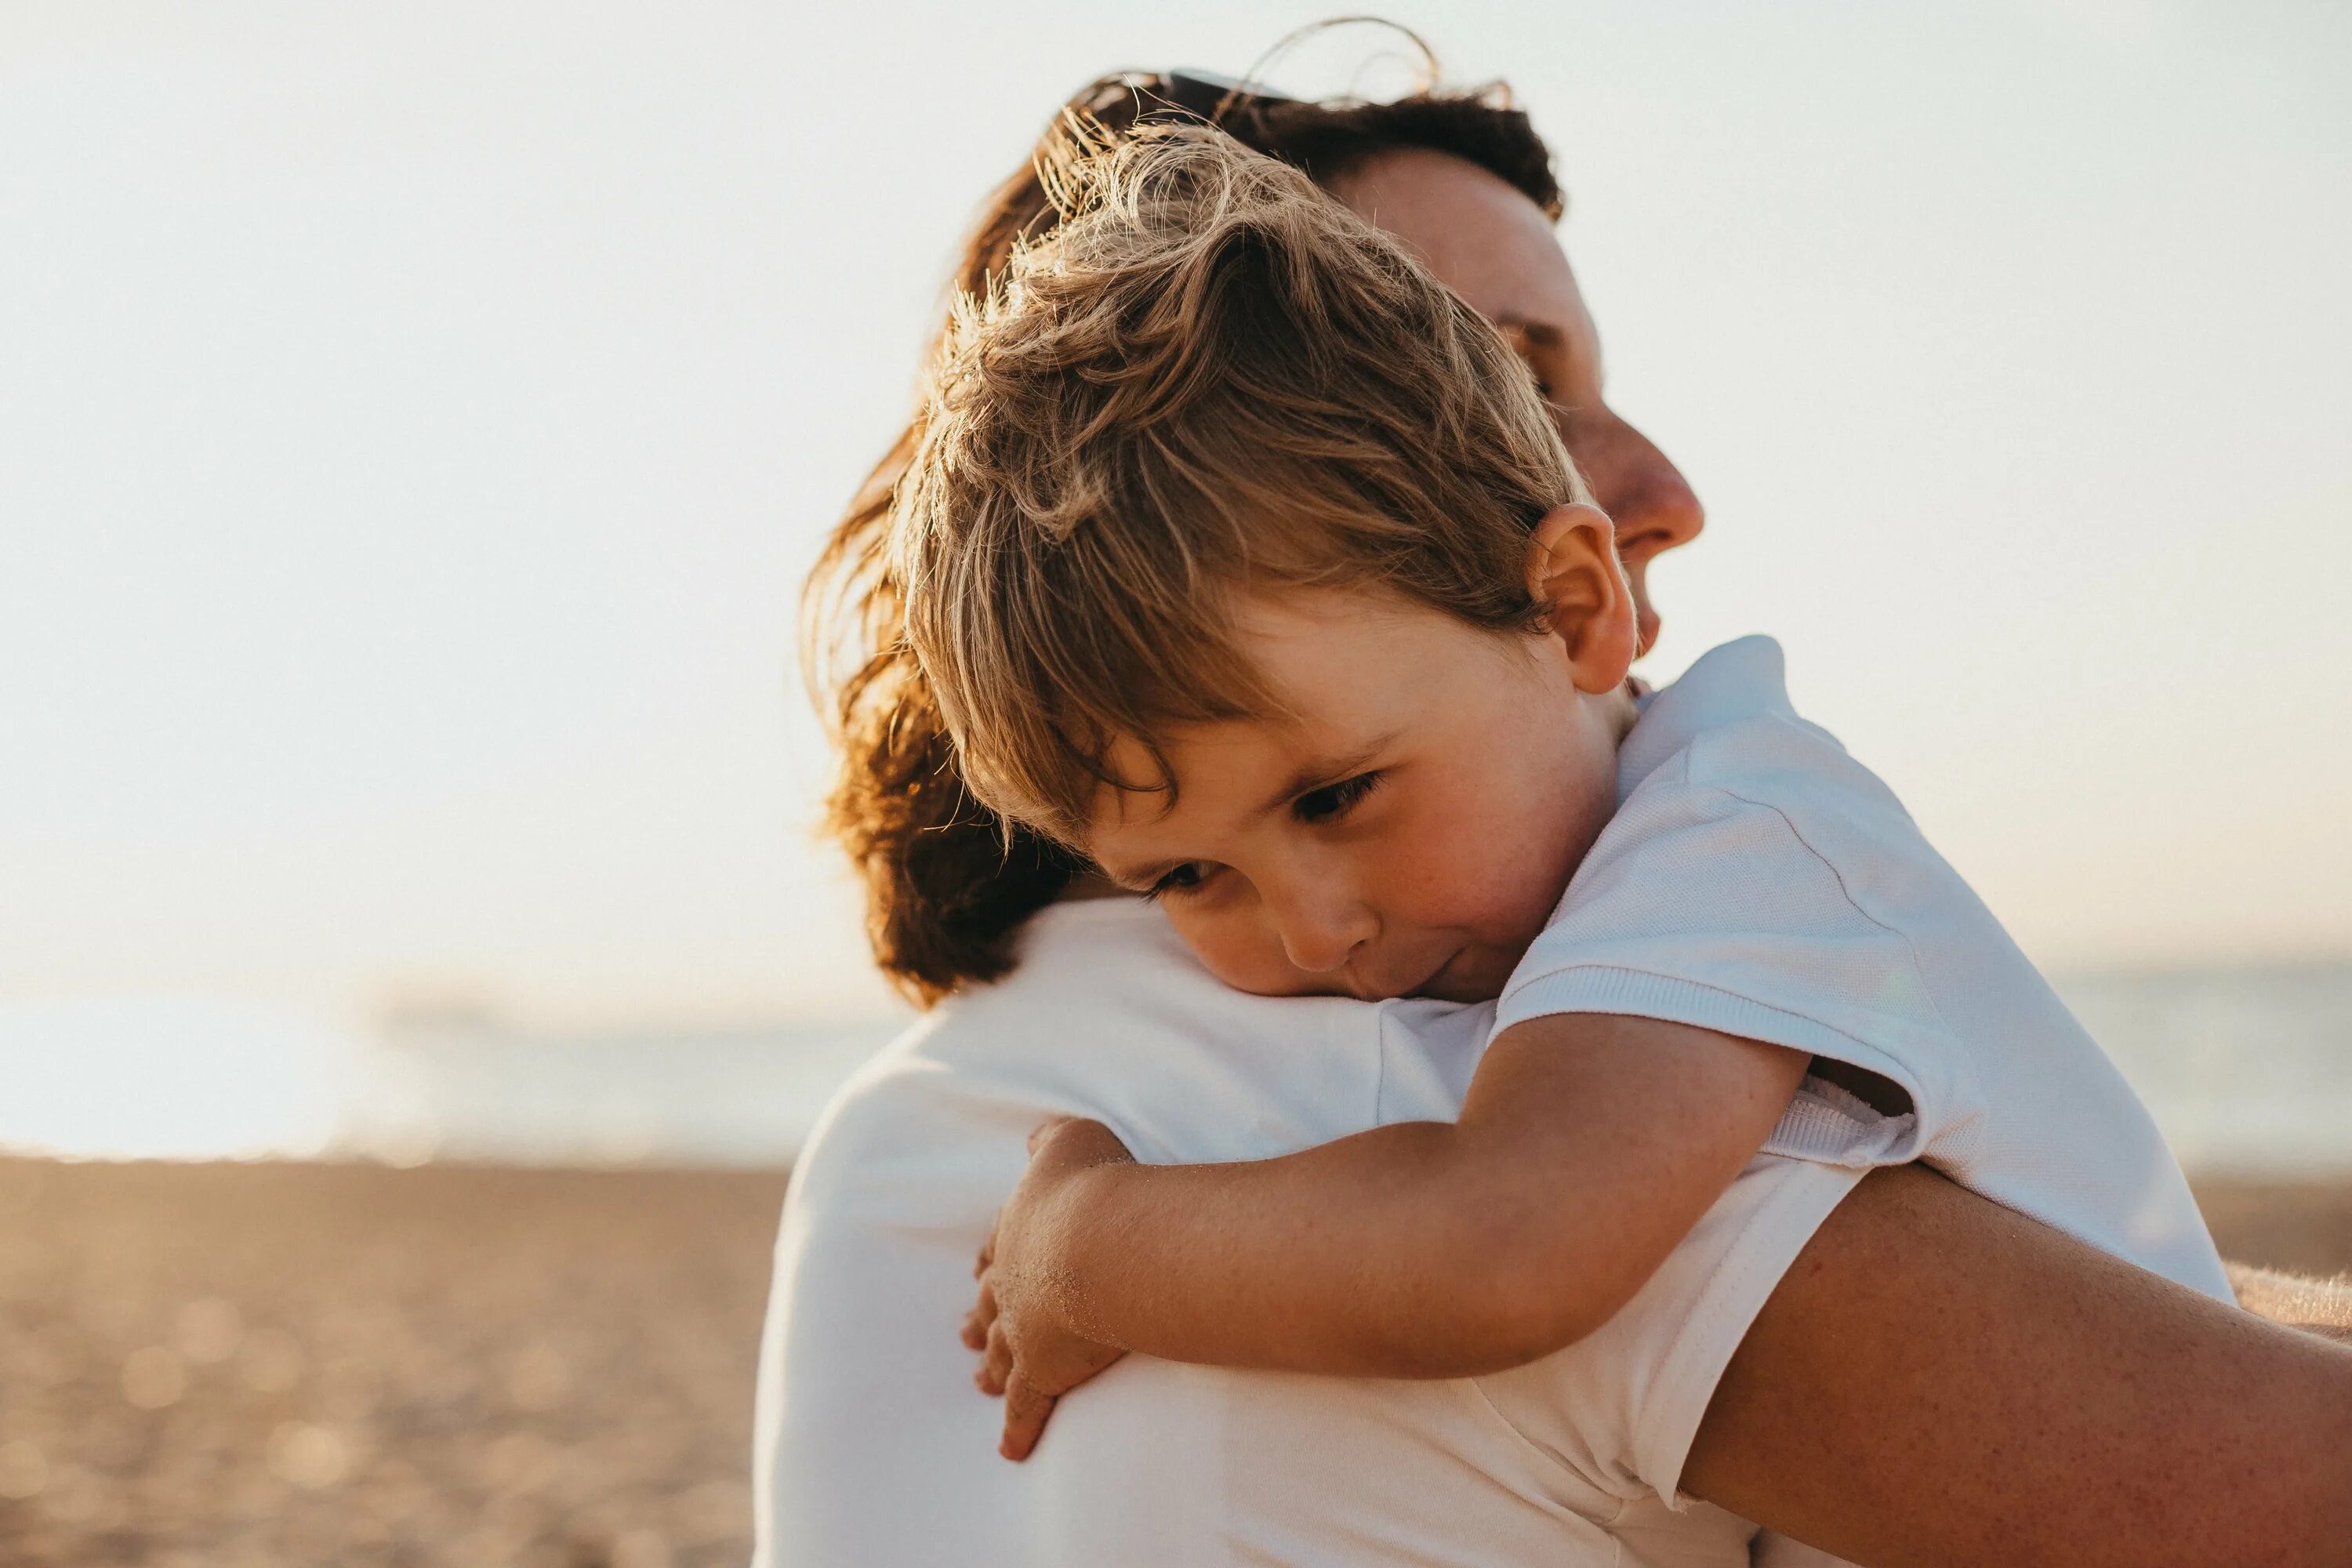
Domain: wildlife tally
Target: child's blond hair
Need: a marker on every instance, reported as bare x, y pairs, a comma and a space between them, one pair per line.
1211, 377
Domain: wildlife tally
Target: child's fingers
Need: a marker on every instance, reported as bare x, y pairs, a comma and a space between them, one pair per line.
976, 1321
987, 1253
1026, 1411
996, 1362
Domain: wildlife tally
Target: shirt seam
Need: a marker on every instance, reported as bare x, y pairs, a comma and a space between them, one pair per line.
1740, 1264
1551, 1460
1867, 1046
1910, 948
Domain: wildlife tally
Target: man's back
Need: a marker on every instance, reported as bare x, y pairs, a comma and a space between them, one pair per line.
876, 1449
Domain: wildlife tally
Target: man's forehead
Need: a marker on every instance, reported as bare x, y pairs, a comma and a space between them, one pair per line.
1482, 237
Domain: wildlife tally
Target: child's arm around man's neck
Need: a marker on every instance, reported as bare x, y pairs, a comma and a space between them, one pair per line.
1586, 1148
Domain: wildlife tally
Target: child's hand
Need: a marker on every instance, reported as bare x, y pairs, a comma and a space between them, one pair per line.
1021, 1324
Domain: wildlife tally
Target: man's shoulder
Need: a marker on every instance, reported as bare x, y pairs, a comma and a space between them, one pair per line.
1108, 1016
1769, 763
1081, 965
1729, 726
1089, 973
975, 1073
1776, 758
904, 1134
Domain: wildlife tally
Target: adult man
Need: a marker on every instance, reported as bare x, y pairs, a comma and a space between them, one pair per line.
1776, 1366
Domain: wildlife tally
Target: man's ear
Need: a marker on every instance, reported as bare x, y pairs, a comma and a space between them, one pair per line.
1573, 572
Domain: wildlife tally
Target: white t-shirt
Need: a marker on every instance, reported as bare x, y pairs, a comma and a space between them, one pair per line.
874, 1449
1757, 881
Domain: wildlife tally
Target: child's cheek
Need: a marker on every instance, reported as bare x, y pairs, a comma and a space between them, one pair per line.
1507, 880
1484, 871
1237, 946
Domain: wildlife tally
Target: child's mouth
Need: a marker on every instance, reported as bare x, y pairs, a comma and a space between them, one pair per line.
1474, 972
1442, 982
1388, 987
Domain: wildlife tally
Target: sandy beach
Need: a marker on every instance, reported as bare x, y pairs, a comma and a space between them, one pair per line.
296, 1364
310, 1364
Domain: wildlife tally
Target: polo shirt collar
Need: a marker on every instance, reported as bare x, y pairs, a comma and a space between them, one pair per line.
1743, 680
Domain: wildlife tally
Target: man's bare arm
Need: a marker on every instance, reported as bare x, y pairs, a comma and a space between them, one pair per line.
1939, 1380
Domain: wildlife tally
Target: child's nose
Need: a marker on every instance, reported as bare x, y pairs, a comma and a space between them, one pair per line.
1320, 934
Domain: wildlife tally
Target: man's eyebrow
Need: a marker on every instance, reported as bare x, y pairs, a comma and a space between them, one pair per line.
1527, 332
1542, 334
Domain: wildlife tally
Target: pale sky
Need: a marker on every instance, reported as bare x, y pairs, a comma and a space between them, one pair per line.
415, 421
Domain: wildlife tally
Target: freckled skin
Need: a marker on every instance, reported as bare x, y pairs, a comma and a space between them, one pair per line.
1496, 766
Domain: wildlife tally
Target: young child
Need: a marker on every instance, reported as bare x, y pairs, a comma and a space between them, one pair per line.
1245, 560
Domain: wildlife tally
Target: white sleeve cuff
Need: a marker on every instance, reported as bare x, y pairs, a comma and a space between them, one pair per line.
1801, 1196
1643, 993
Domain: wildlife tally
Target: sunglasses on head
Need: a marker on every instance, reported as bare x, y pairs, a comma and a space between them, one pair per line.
1162, 97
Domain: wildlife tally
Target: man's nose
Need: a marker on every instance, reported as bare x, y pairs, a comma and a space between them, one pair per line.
1654, 507
1654, 510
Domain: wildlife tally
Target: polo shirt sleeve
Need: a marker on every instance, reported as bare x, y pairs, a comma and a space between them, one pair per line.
1709, 900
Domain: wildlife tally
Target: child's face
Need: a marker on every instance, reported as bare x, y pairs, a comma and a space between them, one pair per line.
1411, 830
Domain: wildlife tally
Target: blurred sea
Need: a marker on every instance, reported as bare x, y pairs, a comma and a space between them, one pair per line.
2249, 1072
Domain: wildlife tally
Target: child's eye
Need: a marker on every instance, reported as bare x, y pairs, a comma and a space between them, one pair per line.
1334, 799
1183, 880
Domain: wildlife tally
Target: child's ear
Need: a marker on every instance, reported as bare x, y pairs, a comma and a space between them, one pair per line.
1573, 572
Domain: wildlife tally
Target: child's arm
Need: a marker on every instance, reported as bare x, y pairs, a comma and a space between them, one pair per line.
1588, 1147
